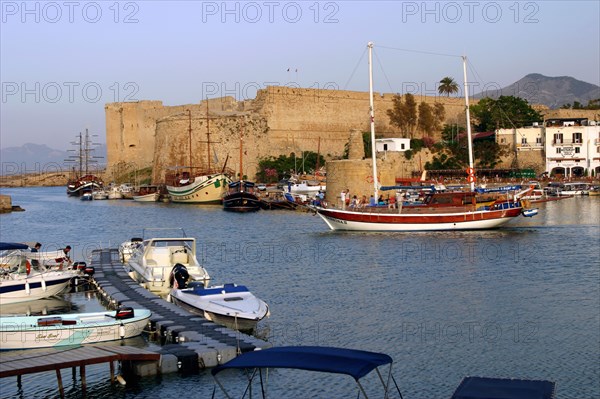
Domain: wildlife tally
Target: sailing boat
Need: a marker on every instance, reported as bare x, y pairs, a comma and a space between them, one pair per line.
83, 182
241, 196
466, 217
206, 187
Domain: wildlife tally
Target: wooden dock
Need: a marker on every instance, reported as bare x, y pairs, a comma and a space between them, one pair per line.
20, 363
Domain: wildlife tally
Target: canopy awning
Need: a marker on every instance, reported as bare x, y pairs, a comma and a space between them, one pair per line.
486, 388
355, 363
5, 246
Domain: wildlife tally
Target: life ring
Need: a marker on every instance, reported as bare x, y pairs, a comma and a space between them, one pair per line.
471, 178
470, 171
369, 179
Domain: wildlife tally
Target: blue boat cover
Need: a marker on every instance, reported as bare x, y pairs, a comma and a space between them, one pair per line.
498, 388
352, 362
227, 289
5, 246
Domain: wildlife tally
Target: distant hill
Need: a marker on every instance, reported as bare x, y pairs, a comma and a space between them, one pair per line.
550, 91
40, 158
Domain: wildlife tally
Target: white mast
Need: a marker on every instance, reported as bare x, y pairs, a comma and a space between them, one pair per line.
373, 149
470, 143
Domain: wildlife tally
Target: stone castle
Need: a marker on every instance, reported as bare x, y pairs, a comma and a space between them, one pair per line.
279, 121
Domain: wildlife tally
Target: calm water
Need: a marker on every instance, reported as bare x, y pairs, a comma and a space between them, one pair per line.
520, 302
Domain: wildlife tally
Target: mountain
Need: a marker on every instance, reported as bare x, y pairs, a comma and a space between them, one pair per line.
550, 91
30, 158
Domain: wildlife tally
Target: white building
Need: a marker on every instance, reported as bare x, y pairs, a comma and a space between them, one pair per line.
572, 147
398, 145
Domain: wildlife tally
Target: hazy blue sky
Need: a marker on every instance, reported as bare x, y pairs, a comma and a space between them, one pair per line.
62, 61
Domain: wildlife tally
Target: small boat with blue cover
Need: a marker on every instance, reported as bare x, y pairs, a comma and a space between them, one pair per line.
230, 305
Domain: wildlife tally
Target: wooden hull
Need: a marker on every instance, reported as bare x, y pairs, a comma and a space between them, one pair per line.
204, 190
74, 329
434, 221
153, 197
241, 202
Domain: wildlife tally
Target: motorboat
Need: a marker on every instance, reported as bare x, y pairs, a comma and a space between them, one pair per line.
87, 196
147, 193
100, 195
126, 248
230, 305
575, 188
152, 260
29, 332
22, 281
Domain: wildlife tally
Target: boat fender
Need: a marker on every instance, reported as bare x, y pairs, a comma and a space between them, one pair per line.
28, 267
121, 380
124, 312
121, 331
27, 288
44, 285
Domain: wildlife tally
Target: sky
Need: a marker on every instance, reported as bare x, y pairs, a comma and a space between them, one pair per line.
62, 61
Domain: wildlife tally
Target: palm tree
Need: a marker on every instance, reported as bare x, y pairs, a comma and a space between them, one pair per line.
447, 86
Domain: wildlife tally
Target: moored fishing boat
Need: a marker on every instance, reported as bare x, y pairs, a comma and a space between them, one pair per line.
241, 197
198, 185
29, 332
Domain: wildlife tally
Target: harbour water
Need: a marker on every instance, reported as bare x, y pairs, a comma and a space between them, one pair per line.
519, 302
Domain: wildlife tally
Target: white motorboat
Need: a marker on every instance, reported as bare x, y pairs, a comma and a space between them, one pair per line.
230, 305
28, 332
114, 192
153, 259
20, 281
147, 193
127, 248
100, 195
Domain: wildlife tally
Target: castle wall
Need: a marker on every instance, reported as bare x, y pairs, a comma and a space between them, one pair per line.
147, 133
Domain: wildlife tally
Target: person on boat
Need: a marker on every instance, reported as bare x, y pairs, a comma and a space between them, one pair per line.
354, 203
343, 199
380, 200
372, 201
392, 202
36, 248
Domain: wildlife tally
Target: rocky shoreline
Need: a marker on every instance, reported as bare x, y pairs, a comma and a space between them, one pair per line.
50, 179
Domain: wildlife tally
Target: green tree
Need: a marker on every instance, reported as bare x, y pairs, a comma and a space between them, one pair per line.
404, 113
426, 120
271, 169
505, 112
447, 86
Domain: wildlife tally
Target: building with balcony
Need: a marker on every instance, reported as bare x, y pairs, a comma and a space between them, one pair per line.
572, 147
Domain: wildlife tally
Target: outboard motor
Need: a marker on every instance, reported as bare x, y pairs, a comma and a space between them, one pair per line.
179, 275
124, 312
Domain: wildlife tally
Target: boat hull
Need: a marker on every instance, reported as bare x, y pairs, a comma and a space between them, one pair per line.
153, 197
26, 333
241, 202
31, 289
238, 310
373, 221
203, 190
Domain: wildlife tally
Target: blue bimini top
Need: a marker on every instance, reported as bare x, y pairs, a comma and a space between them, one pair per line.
355, 363
4, 246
